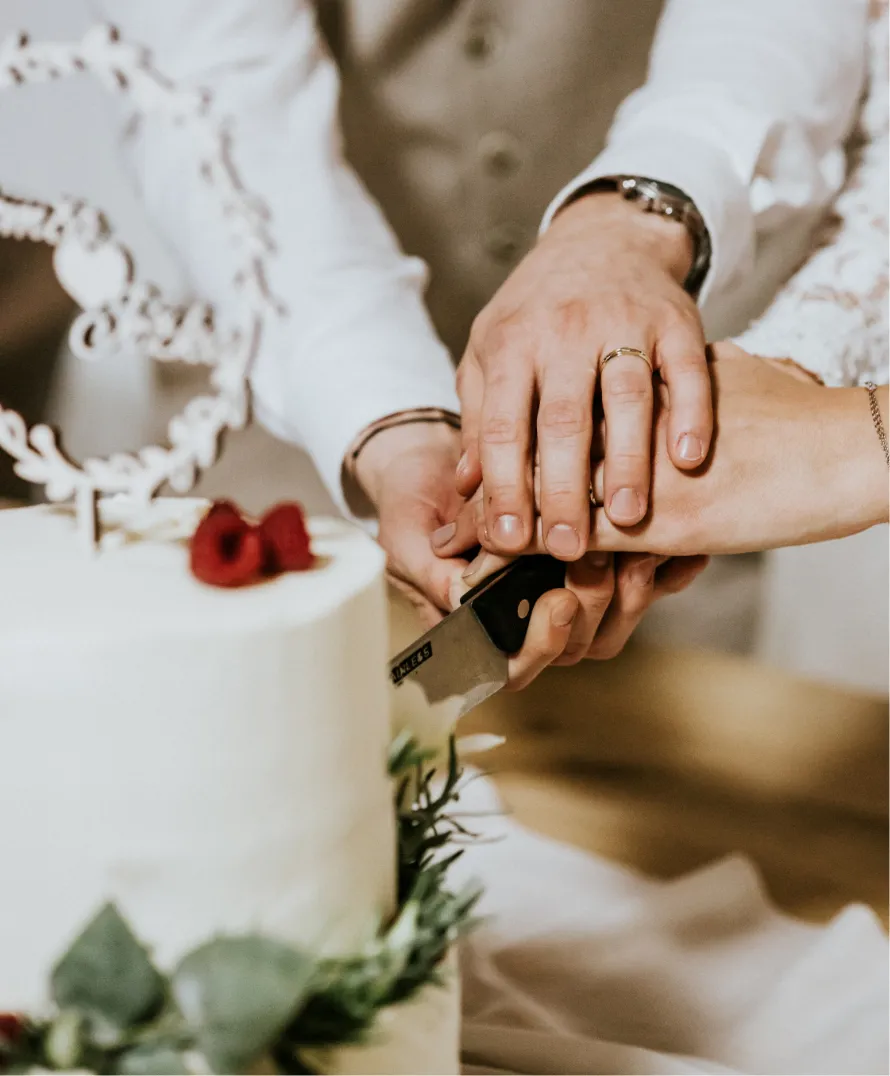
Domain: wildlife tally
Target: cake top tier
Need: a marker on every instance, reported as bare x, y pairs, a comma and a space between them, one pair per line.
141, 580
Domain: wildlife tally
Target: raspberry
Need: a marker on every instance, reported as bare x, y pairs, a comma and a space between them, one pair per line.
226, 551
286, 543
11, 1028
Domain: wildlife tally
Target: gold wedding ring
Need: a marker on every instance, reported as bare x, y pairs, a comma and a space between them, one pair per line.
633, 351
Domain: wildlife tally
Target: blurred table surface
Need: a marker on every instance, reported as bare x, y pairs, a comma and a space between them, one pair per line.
666, 760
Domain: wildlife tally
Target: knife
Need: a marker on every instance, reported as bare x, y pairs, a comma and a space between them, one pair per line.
465, 656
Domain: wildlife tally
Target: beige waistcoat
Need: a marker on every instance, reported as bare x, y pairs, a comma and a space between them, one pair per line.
465, 117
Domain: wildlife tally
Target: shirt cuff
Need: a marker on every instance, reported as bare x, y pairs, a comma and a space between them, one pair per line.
325, 401
701, 172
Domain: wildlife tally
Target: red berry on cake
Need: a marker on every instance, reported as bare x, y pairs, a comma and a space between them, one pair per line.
226, 550
286, 543
11, 1027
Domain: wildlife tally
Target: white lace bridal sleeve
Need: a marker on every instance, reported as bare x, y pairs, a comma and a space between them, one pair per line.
831, 317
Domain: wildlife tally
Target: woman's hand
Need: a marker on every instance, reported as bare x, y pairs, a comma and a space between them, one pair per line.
604, 276
792, 462
407, 473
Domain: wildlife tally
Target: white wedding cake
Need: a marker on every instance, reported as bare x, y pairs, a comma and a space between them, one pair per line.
210, 760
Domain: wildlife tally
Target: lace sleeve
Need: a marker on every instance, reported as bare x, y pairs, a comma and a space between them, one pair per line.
831, 317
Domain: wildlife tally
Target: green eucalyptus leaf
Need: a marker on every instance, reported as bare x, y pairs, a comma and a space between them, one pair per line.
152, 1060
238, 994
109, 972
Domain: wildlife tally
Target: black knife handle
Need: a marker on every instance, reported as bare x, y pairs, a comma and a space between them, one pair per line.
504, 601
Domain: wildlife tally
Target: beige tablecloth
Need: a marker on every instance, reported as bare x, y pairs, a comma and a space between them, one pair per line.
585, 966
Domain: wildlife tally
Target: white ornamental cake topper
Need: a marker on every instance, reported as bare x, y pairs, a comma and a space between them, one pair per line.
121, 312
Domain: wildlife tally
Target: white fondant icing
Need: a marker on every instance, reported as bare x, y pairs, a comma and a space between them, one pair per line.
211, 760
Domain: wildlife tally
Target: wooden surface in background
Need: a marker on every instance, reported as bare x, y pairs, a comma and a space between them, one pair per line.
666, 761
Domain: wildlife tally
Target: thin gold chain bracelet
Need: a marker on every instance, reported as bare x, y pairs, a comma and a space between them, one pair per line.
872, 390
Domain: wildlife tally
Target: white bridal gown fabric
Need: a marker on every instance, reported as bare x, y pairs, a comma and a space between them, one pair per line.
831, 317
583, 966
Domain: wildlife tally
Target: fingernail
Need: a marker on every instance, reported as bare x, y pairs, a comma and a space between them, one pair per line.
690, 448
507, 530
625, 504
564, 613
563, 540
475, 570
598, 559
643, 571
461, 466
443, 535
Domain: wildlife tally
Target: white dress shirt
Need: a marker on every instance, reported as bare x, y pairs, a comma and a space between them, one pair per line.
745, 108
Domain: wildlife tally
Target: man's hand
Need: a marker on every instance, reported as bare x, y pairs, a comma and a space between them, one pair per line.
604, 276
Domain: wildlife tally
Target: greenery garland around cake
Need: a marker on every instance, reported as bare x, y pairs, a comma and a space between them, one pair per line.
250, 1003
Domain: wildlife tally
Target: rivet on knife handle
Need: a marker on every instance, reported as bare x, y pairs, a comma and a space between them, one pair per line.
503, 603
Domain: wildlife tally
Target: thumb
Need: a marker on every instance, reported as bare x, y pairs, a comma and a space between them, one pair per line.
412, 558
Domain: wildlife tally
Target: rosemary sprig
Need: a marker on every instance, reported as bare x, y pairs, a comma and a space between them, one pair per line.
234, 1000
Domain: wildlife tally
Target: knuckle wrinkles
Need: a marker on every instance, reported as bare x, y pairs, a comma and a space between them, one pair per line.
622, 457
563, 493
564, 418
505, 492
501, 429
598, 601
628, 390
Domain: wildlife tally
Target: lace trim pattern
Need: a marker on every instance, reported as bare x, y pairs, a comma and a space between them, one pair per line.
832, 317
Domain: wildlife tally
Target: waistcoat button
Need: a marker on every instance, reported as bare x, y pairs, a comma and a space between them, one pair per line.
500, 153
481, 41
505, 243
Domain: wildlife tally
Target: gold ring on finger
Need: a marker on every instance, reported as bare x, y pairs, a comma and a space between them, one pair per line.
634, 352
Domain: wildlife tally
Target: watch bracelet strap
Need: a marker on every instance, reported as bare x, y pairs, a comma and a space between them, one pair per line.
878, 422
691, 219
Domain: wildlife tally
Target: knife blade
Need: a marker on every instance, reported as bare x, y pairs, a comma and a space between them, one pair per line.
466, 655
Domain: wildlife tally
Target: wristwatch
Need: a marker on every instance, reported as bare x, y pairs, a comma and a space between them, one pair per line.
655, 196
